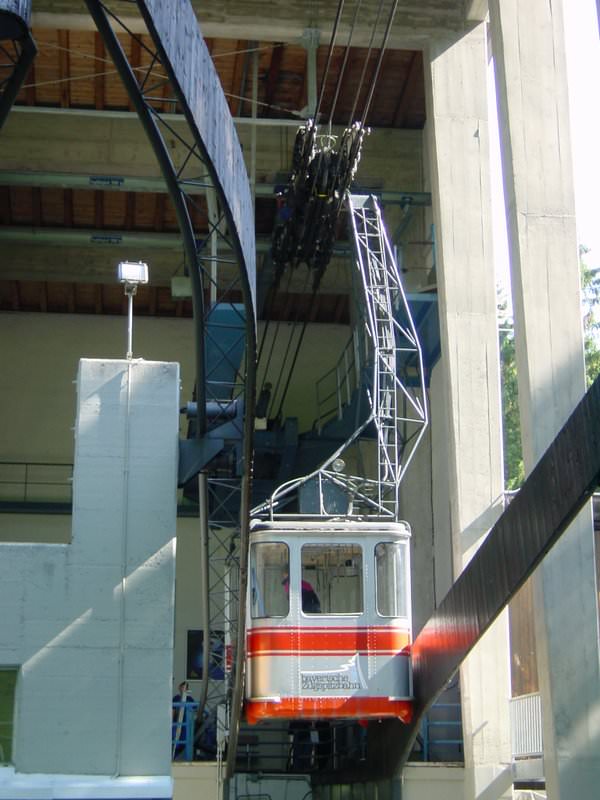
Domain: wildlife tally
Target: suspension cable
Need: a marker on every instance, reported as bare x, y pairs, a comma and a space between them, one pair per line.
287, 349
366, 61
273, 340
344, 63
295, 358
379, 62
329, 56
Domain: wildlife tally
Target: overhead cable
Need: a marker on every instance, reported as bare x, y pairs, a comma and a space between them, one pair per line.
344, 63
329, 56
379, 62
366, 61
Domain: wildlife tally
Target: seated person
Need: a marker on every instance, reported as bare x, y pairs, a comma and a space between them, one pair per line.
310, 599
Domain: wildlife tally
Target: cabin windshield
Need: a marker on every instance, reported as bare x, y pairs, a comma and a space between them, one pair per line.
392, 589
332, 581
269, 573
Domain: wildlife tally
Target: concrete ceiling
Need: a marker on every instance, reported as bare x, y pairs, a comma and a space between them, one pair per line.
74, 119
286, 20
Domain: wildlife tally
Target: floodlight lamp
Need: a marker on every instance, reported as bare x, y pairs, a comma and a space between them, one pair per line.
133, 273
338, 465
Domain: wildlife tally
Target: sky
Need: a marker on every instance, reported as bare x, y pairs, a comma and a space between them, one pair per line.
583, 67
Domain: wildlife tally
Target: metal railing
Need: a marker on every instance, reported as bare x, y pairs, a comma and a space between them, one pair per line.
336, 388
526, 726
36, 482
441, 733
182, 731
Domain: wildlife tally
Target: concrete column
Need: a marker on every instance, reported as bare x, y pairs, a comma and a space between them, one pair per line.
457, 133
91, 622
528, 44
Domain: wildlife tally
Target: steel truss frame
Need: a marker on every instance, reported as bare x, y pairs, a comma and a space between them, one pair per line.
394, 376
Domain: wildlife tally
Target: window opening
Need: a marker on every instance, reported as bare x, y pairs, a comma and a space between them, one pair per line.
8, 682
332, 579
392, 586
269, 580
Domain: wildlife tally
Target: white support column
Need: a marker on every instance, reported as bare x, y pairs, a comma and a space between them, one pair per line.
528, 43
457, 131
91, 622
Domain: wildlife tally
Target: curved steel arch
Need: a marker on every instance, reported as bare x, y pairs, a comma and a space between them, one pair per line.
174, 29
186, 67
14, 28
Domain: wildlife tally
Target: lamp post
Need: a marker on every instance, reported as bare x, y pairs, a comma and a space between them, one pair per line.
131, 274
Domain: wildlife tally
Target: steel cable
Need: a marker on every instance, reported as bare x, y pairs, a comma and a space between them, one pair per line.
379, 62
344, 64
366, 61
329, 56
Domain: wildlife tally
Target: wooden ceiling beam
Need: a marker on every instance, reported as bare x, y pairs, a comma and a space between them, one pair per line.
30, 97
44, 297
15, 295
36, 206
238, 77
159, 212
273, 76
130, 211
413, 75
5, 206
64, 68
98, 298
99, 209
68, 207
152, 300
71, 298
135, 62
99, 80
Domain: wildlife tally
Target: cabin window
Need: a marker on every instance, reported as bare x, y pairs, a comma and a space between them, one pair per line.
390, 569
269, 574
332, 581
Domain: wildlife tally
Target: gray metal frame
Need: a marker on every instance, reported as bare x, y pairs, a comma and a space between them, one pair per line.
397, 402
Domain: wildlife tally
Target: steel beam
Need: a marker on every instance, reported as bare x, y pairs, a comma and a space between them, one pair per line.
555, 491
139, 183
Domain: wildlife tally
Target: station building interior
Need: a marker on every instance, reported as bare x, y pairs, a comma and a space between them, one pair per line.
81, 190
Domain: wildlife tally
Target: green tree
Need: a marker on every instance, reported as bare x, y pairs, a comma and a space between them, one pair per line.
514, 472
590, 302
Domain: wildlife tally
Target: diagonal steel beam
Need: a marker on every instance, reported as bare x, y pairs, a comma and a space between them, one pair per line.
555, 491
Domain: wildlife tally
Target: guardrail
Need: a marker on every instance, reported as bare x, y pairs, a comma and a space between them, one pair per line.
336, 388
441, 733
36, 481
526, 726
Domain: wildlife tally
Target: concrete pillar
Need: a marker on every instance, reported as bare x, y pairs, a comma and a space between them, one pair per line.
528, 44
457, 134
91, 622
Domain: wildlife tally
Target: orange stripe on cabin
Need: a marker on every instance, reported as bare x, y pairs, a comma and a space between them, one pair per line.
291, 641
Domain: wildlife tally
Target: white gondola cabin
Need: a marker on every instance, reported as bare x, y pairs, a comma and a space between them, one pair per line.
328, 620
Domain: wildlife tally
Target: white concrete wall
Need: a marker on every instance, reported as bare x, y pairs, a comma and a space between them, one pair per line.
530, 69
457, 137
90, 624
432, 782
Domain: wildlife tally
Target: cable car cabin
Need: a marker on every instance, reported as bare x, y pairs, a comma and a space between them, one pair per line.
328, 621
